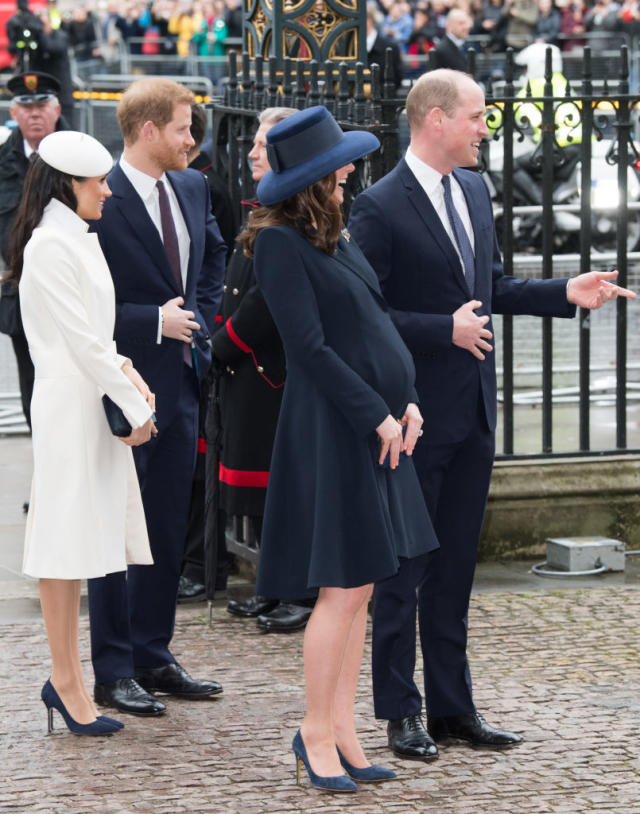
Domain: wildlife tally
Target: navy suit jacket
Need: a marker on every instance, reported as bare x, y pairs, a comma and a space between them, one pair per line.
421, 276
143, 278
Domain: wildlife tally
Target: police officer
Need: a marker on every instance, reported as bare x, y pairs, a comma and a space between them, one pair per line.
36, 110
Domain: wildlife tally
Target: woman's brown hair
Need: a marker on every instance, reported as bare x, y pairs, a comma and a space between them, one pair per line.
42, 183
313, 212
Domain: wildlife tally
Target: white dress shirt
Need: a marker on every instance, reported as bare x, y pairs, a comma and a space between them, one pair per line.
146, 187
431, 181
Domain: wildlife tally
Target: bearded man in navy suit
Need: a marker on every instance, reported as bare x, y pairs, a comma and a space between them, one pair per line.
167, 258
427, 229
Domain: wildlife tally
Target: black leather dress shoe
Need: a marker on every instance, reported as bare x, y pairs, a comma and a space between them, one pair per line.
126, 695
252, 607
190, 591
175, 680
285, 618
473, 728
410, 740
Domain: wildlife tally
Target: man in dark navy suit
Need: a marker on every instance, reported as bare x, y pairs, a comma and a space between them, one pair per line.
167, 258
427, 229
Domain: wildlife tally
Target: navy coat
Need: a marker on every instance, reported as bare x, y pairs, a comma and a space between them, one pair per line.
333, 516
422, 280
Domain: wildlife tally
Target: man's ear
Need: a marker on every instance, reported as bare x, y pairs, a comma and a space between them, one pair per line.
148, 131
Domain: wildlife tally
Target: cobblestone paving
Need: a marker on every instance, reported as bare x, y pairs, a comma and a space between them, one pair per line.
562, 668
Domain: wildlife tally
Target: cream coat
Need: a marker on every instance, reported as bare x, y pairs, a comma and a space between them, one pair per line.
85, 516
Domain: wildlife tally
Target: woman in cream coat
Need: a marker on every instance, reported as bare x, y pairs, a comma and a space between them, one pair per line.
85, 515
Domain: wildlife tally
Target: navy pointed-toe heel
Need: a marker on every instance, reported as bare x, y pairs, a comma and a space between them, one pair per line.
52, 701
338, 783
370, 774
112, 721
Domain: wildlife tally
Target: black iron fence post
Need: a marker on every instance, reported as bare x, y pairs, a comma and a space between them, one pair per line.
624, 134
585, 251
507, 256
548, 129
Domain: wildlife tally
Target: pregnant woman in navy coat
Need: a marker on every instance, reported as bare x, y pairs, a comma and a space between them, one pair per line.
343, 503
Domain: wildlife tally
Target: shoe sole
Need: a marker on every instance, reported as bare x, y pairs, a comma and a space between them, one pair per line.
487, 746
187, 599
193, 695
153, 714
423, 758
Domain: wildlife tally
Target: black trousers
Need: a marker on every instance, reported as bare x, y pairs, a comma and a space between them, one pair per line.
455, 481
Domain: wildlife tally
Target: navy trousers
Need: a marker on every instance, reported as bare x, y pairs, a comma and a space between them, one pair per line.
455, 481
132, 613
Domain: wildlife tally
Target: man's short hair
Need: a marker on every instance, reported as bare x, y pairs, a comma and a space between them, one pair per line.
273, 115
198, 124
434, 89
149, 100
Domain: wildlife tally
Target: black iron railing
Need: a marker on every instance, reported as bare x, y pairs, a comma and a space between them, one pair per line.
562, 141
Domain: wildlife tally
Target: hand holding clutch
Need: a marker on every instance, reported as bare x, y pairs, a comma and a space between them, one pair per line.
118, 423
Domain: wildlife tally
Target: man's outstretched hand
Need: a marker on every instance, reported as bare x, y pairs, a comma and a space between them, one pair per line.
593, 289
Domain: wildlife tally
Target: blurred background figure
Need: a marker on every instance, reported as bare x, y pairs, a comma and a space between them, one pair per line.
398, 24
23, 35
36, 110
521, 18
209, 37
377, 45
450, 52
549, 22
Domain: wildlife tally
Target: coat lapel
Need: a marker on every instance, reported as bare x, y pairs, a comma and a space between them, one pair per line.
136, 215
350, 256
428, 215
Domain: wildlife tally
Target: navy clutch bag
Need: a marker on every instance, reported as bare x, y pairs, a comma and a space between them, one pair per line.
116, 418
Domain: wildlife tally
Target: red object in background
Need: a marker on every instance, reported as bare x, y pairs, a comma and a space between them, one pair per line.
7, 9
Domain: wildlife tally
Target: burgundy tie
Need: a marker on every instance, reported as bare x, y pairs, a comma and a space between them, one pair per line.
170, 240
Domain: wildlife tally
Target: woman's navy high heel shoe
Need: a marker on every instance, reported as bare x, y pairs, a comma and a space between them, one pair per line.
52, 701
338, 783
370, 774
112, 721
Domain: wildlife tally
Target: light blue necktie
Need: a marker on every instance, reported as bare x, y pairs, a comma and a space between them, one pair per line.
460, 234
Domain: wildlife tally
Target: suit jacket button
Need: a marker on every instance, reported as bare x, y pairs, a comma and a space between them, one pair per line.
260, 369
235, 292
224, 289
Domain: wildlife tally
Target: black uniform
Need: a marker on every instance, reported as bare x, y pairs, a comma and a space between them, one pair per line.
249, 353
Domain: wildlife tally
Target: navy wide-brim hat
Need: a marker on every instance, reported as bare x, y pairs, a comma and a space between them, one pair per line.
305, 147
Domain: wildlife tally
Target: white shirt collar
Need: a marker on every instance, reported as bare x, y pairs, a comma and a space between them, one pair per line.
455, 40
55, 212
144, 185
372, 36
28, 149
428, 178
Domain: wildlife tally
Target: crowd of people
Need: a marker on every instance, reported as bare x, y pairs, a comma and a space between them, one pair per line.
96, 33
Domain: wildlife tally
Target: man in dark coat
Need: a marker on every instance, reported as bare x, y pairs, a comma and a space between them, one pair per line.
36, 109
427, 229
166, 257
449, 52
248, 353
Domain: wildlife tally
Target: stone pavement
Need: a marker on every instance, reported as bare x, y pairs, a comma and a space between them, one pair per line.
562, 667
558, 663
